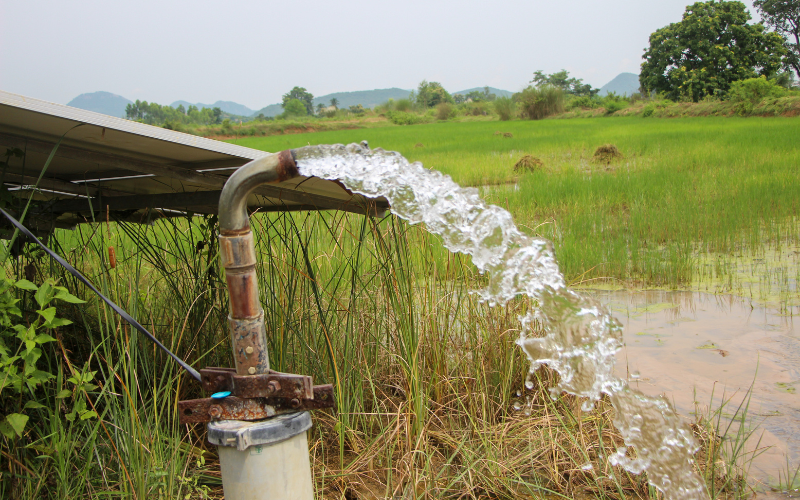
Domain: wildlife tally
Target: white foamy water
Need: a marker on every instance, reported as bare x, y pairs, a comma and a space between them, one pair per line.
580, 338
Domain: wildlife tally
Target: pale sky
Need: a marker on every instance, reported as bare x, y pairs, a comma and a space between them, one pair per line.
252, 51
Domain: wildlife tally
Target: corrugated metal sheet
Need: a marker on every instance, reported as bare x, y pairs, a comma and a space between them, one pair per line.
111, 162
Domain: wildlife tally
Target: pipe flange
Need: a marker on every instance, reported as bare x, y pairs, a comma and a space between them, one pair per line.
242, 435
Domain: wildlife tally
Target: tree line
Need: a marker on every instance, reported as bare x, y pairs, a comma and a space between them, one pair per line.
156, 114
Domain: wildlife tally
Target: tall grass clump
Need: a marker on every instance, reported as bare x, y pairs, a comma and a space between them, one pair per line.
504, 107
536, 103
429, 383
403, 105
445, 111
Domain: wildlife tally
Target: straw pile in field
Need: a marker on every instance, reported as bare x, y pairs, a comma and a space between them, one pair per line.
528, 163
606, 154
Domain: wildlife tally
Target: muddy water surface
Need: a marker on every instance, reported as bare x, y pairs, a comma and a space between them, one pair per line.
687, 344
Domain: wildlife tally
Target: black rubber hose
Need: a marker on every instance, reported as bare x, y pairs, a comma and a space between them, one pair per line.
127, 317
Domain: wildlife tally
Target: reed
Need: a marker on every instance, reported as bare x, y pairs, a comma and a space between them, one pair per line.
429, 382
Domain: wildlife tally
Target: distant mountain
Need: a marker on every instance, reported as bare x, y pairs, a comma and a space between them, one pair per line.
492, 90
271, 110
101, 102
622, 84
232, 108
366, 98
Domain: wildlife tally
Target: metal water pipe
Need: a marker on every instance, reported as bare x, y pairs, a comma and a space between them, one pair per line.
238, 253
256, 415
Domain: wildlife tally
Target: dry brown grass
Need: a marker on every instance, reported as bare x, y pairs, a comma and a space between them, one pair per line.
606, 154
528, 163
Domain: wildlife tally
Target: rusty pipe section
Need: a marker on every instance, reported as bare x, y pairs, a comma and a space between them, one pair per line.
238, 254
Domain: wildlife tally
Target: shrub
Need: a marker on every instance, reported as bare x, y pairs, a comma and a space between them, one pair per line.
754, 90
582, 102
444, 111
614, 106
358, 109
294, 107
648, 110
403, 118
403, 105
540, 102
747, 93
387, 106
504, 107
475, 108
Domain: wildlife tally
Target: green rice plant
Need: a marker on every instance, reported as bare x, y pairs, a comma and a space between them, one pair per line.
686, 187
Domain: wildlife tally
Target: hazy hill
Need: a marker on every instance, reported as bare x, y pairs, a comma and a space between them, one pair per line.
492, 90
366, 98
229, 107
271, 110
622, 84
101, 102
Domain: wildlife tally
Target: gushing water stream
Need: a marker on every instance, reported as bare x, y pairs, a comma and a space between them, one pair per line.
581, 337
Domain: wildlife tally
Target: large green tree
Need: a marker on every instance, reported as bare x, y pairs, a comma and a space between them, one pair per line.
432, 93
712, 47
302, 95
784, 17
561, 80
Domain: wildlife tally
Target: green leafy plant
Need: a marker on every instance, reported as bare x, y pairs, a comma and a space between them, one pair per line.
747, 93
404, 118
21, 349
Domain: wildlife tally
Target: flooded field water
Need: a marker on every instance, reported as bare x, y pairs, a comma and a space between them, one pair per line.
690, 345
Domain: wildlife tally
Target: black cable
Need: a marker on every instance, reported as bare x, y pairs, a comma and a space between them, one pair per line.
194, 373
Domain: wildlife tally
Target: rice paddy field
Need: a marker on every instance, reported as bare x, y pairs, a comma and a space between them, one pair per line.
429, 383
689, 203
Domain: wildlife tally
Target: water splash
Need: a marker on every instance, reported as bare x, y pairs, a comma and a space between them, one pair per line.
581, 337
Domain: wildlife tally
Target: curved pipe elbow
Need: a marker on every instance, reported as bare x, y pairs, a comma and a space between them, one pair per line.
233, 217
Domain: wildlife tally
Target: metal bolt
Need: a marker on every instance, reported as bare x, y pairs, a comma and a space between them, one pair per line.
249, 349
273, 386
215, 411
251, 370
295, 403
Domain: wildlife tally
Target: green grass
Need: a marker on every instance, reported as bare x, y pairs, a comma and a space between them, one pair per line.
429, 382
686, 187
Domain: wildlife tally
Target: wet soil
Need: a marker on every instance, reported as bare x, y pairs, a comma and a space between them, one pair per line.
698, 348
